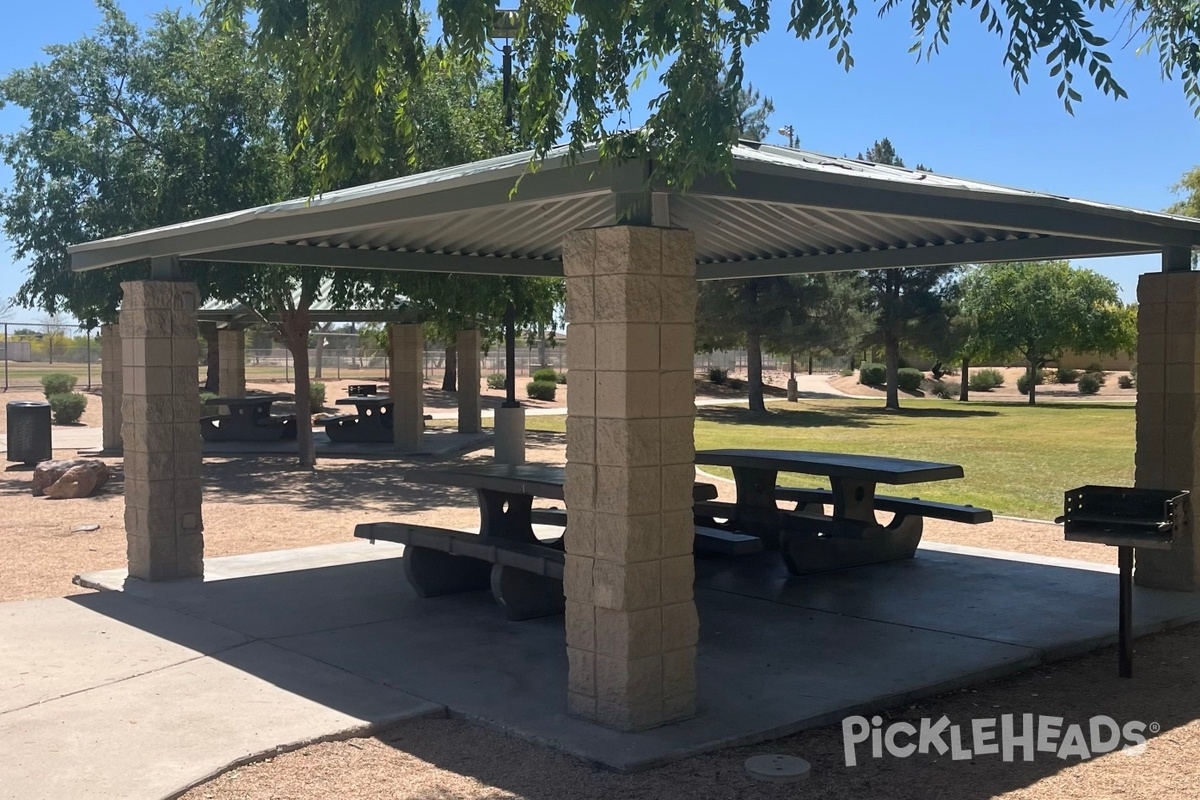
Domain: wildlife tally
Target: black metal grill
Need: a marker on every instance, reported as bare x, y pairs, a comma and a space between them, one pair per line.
1125, 518
1121, 516
362, 389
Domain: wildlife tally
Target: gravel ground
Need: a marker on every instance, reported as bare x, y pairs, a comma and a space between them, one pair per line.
263, 504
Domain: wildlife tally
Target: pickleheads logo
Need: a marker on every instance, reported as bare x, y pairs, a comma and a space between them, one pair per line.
1004, 736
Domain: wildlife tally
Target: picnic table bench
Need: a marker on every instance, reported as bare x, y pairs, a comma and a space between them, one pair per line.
249, 420
523, 572
812, 541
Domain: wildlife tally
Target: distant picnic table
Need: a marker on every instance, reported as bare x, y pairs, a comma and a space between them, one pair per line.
249, 419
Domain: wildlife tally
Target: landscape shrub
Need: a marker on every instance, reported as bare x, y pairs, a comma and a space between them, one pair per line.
1066, 375
846, 373
1125, 381
1133, 369
984, 380
717, 375
561, 380
206, 410
1095, 366
872, 374
495, 380
1100, 376
67, 407
1023, 381
58, 383
541, 390
909, 379
316, 396
545, 374
1089, 383
737, 384
947, 390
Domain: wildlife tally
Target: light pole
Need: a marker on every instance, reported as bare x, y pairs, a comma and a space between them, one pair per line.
790, 133
510, 417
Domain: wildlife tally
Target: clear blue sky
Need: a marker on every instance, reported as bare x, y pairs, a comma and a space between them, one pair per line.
958, 114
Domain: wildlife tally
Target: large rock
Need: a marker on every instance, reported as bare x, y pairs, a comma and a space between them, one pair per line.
75, 478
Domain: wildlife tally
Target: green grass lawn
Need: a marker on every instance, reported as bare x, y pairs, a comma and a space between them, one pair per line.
1018, 460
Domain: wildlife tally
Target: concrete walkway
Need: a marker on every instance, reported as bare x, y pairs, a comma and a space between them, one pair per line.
146, 690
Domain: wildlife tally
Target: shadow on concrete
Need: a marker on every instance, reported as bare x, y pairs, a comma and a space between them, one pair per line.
777, 654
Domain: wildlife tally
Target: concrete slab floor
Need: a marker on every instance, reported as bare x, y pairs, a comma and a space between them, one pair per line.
777, 654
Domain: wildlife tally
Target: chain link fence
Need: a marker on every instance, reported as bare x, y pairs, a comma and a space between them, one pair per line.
31, 350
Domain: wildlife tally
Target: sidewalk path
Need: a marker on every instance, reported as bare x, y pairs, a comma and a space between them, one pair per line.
108, 696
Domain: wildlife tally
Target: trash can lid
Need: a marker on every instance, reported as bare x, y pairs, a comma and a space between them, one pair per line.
28, 404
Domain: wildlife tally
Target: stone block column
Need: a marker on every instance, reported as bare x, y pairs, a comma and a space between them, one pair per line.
407, 386
470, 407
111, 381
1168, 415
630, 616
231, 362
161, 430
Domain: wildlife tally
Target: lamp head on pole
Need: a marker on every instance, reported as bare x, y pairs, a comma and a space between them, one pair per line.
506, 23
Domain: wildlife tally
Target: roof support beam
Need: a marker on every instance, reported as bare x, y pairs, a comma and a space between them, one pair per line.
383, 260
968, 253
1035, 214
1176, 259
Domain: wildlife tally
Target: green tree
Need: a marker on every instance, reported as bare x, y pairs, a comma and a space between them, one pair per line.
130, 130
753, 113
910, 305
581, 58
1039, 309
779, 314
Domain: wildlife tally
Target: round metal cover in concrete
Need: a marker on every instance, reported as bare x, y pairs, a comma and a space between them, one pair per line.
777, 768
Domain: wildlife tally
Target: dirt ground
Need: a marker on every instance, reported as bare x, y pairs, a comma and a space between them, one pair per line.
1055, 391
265, 504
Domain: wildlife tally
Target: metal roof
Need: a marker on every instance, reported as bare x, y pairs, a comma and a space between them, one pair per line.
781, 211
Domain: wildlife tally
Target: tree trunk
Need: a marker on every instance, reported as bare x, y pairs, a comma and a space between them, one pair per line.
295, 328
754, 378
450, 375
541, 345
213, 358
1032, 383
892, 358
964, 391
320, 348
810, 362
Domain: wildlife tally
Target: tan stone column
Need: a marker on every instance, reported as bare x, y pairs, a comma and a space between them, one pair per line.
111, 381
1168, 415
470, 408
231, 362
631, 620
407, 382
161, 430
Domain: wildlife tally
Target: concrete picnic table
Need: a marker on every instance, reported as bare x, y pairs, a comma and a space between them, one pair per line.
249, 419
372, 423
812, 541
524, 572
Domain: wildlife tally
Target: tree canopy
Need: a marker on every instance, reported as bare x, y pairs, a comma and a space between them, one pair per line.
1040, 309
580, 59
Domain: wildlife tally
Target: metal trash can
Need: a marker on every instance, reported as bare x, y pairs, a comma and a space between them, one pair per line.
29, 437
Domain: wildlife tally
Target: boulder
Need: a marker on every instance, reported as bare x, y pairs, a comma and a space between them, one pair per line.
63, 479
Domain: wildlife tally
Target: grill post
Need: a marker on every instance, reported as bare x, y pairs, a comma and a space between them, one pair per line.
1125, 629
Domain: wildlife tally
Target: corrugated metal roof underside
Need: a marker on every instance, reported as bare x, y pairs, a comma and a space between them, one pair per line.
726, 231
802, 211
